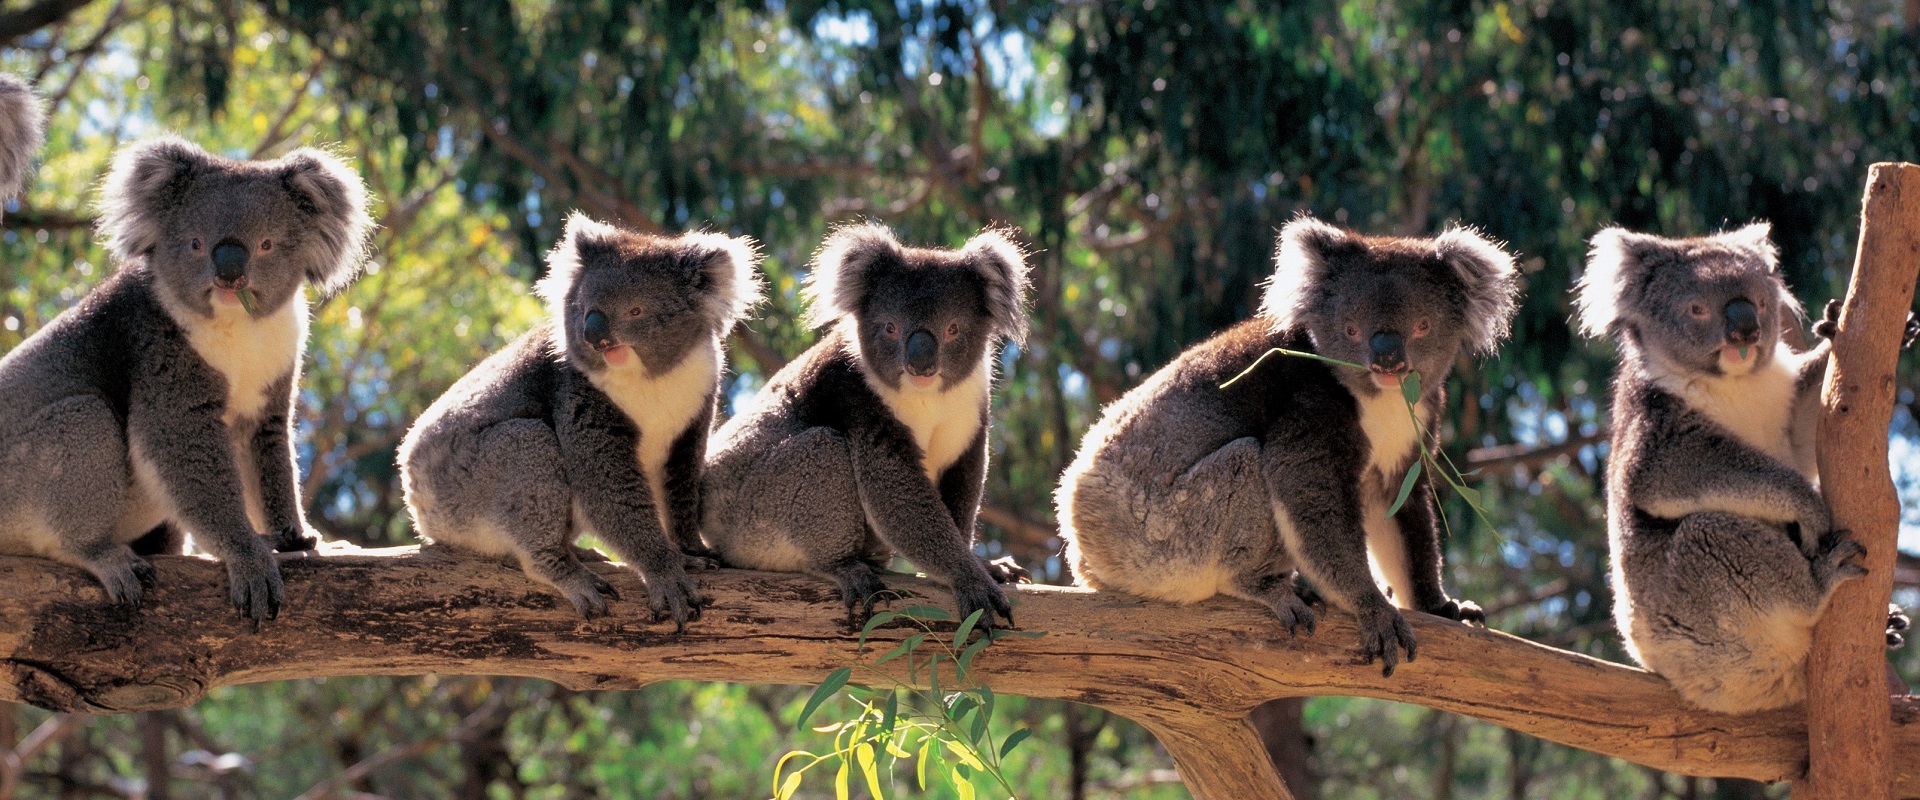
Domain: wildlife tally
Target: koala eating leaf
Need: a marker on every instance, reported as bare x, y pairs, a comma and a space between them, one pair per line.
160, 403
874, 441
594, 422
1185, 489
1724, 553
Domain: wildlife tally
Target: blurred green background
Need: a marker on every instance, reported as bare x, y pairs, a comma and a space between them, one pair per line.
1148, 149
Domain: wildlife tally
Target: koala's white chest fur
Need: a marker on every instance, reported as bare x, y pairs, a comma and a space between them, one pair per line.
1756, 407
250, 352
1392, 439
662, 406
944, 423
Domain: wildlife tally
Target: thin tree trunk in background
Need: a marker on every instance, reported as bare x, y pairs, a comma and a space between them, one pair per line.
1849, 718
1283, 730
153, 754
1447, 728
1082, 733
1913, 17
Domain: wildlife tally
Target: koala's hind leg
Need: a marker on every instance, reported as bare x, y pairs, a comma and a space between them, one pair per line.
1730, 607
531, 511
796, 508
68, 471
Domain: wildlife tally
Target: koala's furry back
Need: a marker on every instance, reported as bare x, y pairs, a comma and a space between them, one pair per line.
22, 131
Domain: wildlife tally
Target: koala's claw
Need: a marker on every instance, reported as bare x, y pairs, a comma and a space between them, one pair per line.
1897, 624
1382, 635
295, 538
1006, 570
694, 563
1465, 611
971, 597
254, 586
1912, 332
674, 596
1294, 613
860, 589
1829, 323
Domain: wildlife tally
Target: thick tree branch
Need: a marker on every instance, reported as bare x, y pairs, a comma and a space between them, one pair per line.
1179, 670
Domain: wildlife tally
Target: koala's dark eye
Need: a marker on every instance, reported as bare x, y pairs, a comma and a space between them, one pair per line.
891, 330
1423, 327
265, 245
635, 311
196, 245
1353, 331
953, 329
1697, 310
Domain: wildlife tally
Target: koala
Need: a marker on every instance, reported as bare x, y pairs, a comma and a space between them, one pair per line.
1188, 487
596, 421
22, 131
874, 441
1724, 553
162, 403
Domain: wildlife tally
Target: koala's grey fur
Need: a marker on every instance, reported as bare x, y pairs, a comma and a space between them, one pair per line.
1723, 550
23, 123
847, 456
1184, 490
574, 429
159, 404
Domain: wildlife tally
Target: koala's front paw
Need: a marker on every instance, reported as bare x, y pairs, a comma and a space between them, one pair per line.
1829, 323
1383, 633
974, 595
1005, 570
295, 538
1465, 611
1897, 624
1833, 564
673, 595
253, 582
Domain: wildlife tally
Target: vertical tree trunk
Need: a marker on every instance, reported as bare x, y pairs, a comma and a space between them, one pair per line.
1849, 719
153, 754
1282, 729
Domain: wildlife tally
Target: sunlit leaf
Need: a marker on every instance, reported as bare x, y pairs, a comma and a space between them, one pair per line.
863, 754
834, 681
1406, 488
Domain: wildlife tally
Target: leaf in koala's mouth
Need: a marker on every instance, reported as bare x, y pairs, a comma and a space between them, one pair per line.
246, 300
1743, 353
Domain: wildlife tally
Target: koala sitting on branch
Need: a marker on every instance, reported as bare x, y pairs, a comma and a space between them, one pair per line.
1185, 489
22, 130
1724, 553
162, 403
874, 441
594, 422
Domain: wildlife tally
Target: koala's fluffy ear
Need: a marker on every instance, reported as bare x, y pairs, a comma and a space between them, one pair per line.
23, 122
1492, 283
146, 178
728, 275
843, 268
563, 261
1616, 269
1003, 265
1300, 268
335, 201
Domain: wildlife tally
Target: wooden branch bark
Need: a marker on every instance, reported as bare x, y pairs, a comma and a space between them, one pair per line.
1847, 713
1190, 673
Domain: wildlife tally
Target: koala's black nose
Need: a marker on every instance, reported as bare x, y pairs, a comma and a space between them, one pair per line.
230, 264
1743, 322
598, 331
1389, 352
923, 354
